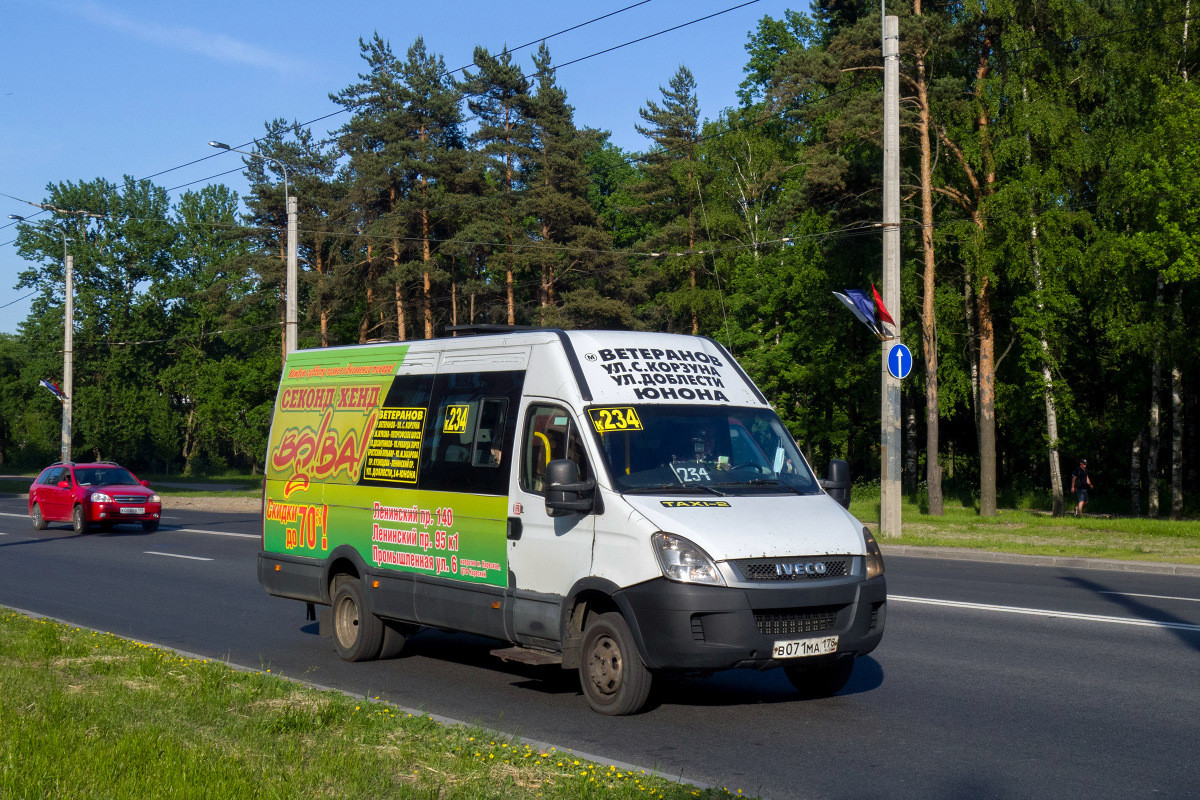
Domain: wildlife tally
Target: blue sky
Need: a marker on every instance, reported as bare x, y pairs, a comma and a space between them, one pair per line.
106, 88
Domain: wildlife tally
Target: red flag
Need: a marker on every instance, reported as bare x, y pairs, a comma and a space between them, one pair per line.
884, 316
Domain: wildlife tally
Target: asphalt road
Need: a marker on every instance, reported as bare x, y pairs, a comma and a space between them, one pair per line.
993, 680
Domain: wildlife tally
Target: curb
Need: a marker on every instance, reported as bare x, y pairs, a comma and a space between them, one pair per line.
1111, 565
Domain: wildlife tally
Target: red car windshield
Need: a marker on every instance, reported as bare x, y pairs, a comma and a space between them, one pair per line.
104, 476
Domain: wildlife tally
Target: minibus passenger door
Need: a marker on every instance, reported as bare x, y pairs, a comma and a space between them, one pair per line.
547, 553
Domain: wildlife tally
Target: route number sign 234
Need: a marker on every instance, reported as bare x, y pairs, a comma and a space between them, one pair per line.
611, 420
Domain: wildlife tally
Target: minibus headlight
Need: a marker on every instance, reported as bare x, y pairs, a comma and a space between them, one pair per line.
874, 557
684, 561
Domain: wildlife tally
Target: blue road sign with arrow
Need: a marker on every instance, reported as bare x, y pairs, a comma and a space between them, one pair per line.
899, 361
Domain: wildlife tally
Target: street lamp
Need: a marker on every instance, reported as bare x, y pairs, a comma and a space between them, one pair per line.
68, 344
290, 304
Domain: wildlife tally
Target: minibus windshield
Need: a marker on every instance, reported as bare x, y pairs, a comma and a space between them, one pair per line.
677, 449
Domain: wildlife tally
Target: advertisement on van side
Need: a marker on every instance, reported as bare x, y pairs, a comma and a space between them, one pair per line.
343, 467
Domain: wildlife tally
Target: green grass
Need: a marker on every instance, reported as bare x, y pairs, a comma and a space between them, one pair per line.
89, 715
1033, 532
171, 492
16, 485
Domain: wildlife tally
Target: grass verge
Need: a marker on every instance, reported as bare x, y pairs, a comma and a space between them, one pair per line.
90, 715
1030, 532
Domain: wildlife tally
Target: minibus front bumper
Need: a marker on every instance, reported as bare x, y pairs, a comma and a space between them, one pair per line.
683, 626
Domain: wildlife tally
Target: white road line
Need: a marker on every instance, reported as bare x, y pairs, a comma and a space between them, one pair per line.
177, 530
175, 555
217, 533
1046, 612
1155, 596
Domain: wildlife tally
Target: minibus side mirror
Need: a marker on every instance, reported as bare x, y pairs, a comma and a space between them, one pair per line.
838, 482
565, 493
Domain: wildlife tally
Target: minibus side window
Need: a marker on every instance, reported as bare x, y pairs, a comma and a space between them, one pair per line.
470, 431
550, 433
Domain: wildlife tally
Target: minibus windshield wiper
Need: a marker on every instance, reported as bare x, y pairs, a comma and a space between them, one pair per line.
675, 487
766, 482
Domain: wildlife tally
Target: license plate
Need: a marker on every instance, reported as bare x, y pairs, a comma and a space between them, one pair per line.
133, 510
798, 648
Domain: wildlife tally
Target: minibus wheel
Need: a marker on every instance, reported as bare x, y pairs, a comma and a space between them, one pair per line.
823, 681
614, 679
357, 633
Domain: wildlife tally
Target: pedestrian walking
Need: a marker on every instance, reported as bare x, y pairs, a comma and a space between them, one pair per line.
1080, 483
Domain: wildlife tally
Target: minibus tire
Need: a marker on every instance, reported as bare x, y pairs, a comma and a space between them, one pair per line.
822, 681
357, 633
614, 679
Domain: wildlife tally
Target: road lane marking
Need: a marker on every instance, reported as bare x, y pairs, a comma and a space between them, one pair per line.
175, 555
219, 533
1155, 596
178, 530
1046, 612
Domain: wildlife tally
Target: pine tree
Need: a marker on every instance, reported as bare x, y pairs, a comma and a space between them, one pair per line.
571, 252
376, 186
498, 95
669, 196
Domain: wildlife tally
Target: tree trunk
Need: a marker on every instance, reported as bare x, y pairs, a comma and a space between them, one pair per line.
1155, 412
324, 314
427, 278
1177, 414
364, 327
933, 467
1056, 483
1135, 474
987, 402
692, 268
426, 250
547, 275
910, 451
1056, 478
510, 301
453, 294
401, 323
283, 297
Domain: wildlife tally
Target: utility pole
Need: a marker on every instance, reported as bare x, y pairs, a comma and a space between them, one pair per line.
68, 386
890, 417
291, 287
291, 305
68, 355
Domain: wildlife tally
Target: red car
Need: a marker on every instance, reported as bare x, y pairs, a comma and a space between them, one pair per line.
101, 493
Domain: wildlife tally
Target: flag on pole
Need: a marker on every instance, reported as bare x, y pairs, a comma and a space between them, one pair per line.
881, 309
861, 307
52, 387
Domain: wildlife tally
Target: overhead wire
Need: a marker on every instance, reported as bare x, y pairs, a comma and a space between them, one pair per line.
525, 76
339, 111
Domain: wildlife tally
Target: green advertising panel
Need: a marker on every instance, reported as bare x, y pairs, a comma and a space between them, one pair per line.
342, 469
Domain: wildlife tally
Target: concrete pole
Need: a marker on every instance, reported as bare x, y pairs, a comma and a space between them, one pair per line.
293, 269
890, 456
68, 386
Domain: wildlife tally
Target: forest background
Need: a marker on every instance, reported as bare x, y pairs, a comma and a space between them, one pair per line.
1050, 266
